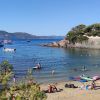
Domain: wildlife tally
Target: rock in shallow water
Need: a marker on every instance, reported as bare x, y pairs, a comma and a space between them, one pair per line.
62, 43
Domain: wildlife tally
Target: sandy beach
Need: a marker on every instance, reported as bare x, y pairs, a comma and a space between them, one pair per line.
73, 94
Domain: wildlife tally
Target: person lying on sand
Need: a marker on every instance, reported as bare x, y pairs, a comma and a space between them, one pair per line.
70, 86
54, 88
51, 89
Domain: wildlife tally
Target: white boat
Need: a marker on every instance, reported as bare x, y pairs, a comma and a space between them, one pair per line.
7, 41
9, 49
1, 44
36, 67
86, 78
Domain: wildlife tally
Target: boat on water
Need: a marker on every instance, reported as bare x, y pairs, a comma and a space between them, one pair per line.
28, 40
7, 41
1, 44
38, 66
9, 49
86, 78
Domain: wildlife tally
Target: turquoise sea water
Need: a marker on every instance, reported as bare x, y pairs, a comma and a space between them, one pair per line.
65, 62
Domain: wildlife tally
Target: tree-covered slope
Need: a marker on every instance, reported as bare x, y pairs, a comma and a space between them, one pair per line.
81, 32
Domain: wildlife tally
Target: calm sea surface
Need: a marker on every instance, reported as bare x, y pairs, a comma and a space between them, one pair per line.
65, 62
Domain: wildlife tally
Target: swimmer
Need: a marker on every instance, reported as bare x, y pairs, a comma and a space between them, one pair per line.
53, 72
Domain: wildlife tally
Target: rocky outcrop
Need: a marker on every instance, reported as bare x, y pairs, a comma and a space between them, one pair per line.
62, 43
92, 43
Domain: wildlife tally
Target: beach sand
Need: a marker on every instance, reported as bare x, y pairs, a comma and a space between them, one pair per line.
73, 94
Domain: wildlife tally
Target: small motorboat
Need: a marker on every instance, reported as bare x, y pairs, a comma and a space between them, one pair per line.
36, 67
7, 41
28, 40
9, 49
86, 78
1, 45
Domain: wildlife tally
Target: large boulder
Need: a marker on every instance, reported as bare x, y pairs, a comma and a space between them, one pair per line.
55, 44
63, 43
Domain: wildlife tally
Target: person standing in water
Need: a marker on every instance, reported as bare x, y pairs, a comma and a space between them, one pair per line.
53, 72
38, 66
14, 80
84, 68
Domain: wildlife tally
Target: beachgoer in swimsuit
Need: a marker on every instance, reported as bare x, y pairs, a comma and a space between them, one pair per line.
50, 89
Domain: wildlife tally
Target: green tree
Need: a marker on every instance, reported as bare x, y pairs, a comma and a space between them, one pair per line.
93, 30
76, 34
6, 67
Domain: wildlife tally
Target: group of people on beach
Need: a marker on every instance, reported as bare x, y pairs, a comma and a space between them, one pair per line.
89, 87
92, 86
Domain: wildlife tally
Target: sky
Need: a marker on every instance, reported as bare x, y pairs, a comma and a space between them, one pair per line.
47, 17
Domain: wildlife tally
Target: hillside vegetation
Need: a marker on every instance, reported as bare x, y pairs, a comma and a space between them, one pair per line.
81, 32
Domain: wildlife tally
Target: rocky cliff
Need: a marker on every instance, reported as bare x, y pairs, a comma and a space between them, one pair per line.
92, 42
81, 36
